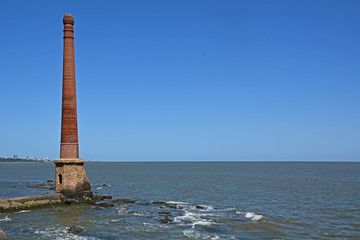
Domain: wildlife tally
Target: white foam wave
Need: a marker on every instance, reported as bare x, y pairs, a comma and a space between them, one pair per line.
60, 233
155, 226
98, 188
233, 209
204, 223
122, 210
139, 214
194, 234
6, 219
253, 216
188, 216
23, 211
193, 219
178, 203
205, 207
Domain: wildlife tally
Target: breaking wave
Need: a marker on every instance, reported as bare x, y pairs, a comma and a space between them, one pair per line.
59, 234
23, 211
6, 219
253, 216
194, 234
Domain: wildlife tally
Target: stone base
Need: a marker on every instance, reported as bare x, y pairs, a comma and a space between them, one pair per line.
71, 180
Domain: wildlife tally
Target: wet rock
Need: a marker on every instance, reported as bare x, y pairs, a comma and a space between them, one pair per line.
75, 230
102, 185
42, 185
123, 201
2, 235
101, 198
105, 204
166, 220
49, 181
173, 206
97, 208
166, 217
164, 213
200, 207
143, 202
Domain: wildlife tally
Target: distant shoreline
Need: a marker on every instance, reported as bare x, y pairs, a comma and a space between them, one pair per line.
91, 161
270, 161
22, 161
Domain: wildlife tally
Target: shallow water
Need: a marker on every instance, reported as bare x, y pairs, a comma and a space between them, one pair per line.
195, 201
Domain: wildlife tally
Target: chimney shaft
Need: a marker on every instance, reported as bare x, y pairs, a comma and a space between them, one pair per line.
69, 147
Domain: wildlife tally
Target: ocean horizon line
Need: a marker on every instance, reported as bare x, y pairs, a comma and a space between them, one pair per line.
226, 161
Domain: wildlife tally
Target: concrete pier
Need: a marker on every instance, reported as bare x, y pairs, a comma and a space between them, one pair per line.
27, 203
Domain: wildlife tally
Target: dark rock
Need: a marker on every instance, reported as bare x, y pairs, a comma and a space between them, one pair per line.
97, 208
165, 213
166, 217
72, 201
50, 181
42, 185
165, 220
143, 202
89, 201
75, 230
97, 198
169, 205
199, 207
105, 204
123, 201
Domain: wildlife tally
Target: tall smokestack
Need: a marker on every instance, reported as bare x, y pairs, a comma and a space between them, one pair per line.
71, 180
69, 147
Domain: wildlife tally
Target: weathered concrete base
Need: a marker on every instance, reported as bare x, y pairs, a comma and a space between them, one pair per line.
8, 205
27, 203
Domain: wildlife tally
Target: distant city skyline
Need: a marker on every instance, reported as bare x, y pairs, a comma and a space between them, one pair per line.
185, 80
15, 156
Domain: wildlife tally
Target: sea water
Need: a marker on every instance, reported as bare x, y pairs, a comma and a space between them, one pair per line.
195, 200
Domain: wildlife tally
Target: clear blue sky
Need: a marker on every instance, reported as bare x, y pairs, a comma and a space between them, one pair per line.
185, 79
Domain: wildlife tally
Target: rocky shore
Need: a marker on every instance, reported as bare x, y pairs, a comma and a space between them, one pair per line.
8, 205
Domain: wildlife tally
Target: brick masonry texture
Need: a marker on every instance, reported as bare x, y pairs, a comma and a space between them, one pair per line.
69, 147
71, 180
